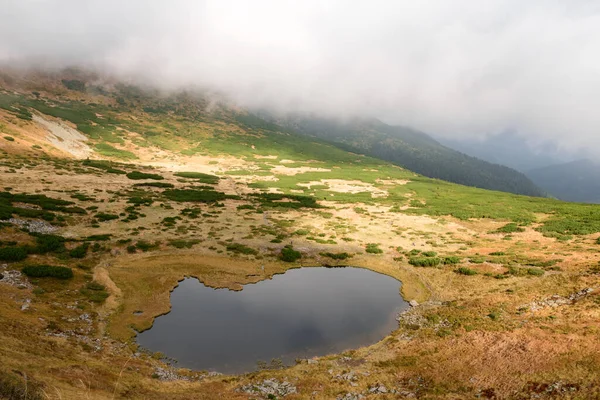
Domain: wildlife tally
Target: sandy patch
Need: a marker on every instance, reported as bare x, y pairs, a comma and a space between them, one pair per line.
280, 169
342, 186
64, 137
265, 157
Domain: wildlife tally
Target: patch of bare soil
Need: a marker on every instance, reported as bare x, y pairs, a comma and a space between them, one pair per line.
63, 137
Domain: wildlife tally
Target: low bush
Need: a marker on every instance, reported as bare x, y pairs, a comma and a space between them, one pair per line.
98, 238
79, 251
137, 175
373, 248
337, 256
163, 185
199, 196
535, 271
199, 176
146, 246
424, 261
465, 271
288, 254
42, 271
451, 260
509, 228
429, 254
239, 248
103, 217
13, 253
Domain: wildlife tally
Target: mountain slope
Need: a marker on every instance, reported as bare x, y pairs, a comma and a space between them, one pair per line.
574, 181
416, 151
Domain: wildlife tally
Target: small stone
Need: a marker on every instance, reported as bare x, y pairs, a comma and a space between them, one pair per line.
413, 303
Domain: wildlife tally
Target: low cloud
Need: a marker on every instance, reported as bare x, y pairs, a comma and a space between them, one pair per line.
457, 69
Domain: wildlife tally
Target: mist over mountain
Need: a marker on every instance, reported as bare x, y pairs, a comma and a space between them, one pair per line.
415, 151
510, 149
462, 70
573, 181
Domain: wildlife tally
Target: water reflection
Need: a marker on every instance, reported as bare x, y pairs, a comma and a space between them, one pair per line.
302, 313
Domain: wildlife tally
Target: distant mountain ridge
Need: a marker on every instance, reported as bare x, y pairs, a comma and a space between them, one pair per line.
416, 151
573, 181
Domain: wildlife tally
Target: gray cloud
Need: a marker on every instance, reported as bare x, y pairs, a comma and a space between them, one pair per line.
458, 69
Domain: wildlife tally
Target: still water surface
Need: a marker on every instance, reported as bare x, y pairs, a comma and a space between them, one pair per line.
303, 313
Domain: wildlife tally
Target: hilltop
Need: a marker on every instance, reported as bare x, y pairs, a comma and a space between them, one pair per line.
113, 193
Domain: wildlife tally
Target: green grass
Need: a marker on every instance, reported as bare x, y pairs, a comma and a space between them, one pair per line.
110, 151
465, 271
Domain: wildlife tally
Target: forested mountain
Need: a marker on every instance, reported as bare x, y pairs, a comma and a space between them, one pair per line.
510, 149
574, 181
415, 151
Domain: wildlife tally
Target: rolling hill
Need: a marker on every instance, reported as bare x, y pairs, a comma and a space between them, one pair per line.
415, 151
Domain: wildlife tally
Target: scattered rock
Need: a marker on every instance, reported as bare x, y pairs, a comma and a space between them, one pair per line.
413, 303
377, 389
556, 301
350, 396
26, 304
32, 226
269, 387
13, 278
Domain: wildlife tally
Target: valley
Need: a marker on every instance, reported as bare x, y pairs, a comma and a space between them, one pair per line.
133, 190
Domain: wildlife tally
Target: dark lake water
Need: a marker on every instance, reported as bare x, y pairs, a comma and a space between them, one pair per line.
303, 313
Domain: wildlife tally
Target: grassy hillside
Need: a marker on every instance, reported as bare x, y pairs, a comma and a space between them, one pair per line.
417, 152
111, 194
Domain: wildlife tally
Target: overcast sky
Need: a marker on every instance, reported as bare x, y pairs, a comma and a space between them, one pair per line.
455, 68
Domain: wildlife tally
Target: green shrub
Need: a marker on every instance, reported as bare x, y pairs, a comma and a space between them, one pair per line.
429, 254
465, 271
98, 238
102, 217
95, 286
142, 175
103, 165
163, 185
509, 228
451, 260
193, 195
13, 253
337, 256
414, 252
42, 271
131, 249
535, 271
49, 244
202, 178
498, 253
241, 249
373, 248
9, 138
424, 261
79, 251
288, 254
146, 246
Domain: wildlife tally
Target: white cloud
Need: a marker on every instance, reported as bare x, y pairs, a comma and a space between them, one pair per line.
460, 69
